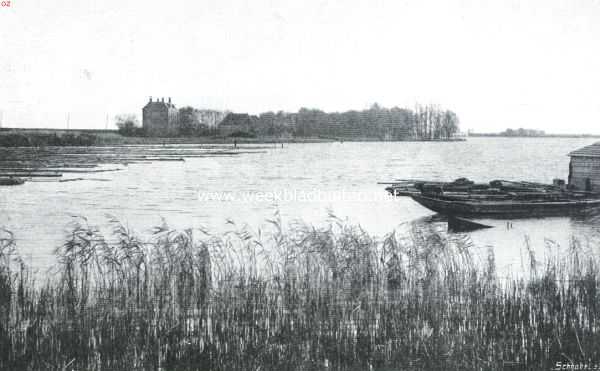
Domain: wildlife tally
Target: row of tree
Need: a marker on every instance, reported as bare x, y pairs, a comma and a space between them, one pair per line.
424, 123
428, 122
195, 122
129, 126
431, 123
520, 132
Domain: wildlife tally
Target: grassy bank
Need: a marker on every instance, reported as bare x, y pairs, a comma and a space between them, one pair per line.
294, 298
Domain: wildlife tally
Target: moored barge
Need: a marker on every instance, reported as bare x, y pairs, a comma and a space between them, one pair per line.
497, 199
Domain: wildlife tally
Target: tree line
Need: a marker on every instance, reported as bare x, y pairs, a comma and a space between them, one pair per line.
520, 132
425, 122
41, 139
428, 122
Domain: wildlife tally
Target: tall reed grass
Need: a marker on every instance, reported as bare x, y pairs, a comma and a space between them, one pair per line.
291, 298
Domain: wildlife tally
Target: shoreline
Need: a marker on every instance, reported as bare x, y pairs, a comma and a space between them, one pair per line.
583, 136
93, 137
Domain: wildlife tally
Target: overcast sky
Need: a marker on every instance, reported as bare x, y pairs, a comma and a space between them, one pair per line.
497, 64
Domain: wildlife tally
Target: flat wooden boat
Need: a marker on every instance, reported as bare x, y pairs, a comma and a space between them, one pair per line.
514, 208
498, 198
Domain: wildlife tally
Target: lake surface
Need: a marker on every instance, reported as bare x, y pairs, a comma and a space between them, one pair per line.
300, 182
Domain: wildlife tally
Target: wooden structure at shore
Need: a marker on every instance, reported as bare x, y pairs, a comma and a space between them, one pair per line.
584, 168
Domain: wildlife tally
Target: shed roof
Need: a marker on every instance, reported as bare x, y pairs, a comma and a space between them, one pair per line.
592, 150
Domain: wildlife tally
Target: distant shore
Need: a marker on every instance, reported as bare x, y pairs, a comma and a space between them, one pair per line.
502, 135
94, 137
15, 137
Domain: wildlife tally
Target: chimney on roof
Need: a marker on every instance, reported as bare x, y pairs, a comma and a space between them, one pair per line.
169, 100
150, 99
162, 100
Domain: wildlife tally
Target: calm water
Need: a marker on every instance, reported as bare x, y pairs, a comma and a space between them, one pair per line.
190, 193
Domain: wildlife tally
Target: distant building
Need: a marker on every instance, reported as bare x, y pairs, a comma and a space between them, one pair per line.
160, 118
584, 168
237, 123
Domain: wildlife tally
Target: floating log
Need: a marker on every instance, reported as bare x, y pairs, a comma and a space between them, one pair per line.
73, 165
52, 162
54, 170
32, 171
26, 169
11, 181
44, 180
78, 179
88, 171
32, 175
164, 159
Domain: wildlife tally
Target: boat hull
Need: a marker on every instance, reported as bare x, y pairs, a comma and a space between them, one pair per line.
507, 209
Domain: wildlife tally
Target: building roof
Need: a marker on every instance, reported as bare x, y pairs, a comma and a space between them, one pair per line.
159, 104
592, 150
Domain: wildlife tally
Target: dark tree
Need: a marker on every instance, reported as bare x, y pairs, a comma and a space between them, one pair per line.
128, 125
188, 121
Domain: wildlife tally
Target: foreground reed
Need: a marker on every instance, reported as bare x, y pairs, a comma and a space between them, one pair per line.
302, 298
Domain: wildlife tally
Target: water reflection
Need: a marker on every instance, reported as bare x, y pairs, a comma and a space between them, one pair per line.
552, 236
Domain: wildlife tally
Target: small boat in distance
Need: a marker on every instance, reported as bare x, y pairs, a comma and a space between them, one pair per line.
497, 199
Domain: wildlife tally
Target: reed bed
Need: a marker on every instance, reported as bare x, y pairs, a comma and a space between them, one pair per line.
291, 298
